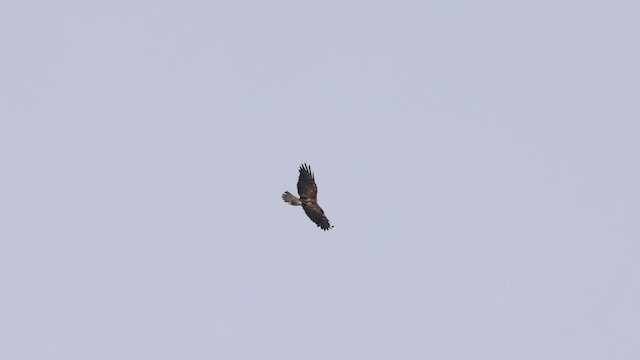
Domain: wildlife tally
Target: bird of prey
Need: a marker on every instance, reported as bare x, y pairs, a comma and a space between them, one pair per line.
308, 192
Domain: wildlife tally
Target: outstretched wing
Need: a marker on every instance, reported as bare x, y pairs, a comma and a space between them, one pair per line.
306, 184
315, 213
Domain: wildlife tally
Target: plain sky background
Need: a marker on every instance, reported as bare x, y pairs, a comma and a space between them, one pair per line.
480, 161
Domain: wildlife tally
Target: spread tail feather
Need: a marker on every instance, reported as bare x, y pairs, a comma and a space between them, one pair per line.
290, 198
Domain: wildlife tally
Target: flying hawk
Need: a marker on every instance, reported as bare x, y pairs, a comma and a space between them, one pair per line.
308, 192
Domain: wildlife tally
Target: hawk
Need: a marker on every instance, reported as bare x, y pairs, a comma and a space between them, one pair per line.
308, 192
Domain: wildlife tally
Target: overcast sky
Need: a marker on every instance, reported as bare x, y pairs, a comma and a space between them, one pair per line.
480, 161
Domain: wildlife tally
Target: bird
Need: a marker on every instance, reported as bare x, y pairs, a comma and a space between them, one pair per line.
308, 192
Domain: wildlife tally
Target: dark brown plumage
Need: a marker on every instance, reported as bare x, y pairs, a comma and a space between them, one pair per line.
308, 192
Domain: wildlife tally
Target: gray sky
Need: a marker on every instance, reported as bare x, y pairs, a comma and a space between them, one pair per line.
479, 159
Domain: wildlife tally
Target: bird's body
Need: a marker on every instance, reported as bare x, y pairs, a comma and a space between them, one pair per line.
308, 192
